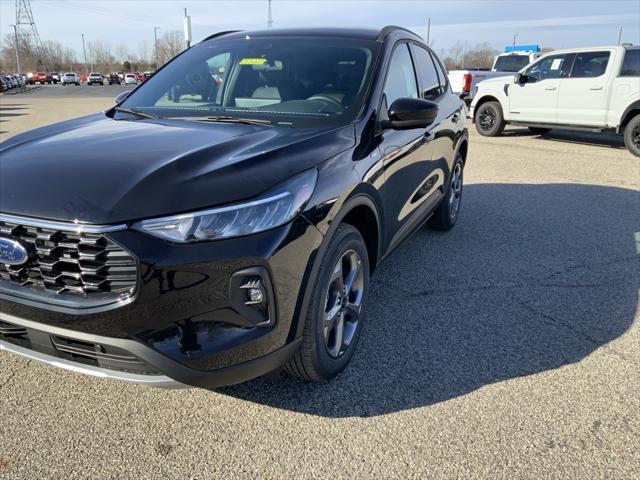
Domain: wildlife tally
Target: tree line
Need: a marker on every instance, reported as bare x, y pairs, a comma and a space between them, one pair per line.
102, 56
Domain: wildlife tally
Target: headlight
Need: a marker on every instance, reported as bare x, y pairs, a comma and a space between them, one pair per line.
270, 210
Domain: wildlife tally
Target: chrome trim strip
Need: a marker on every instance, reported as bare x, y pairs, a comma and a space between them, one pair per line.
64, 226
158, 381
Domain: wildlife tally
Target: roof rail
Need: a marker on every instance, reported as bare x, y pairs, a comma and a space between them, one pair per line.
390, 28
219, 34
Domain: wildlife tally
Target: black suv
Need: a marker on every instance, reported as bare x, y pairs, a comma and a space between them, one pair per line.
224, 227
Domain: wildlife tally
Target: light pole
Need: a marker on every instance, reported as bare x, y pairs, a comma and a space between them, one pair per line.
15, 31
84, 51
155, 43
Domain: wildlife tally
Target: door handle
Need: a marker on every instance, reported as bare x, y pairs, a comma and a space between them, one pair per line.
427, 137
548, 89
596, 87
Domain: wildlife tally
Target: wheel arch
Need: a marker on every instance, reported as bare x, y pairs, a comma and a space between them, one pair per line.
630, 112
360, 210
482, 101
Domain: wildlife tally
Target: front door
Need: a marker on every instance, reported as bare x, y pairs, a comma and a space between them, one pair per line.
406, 154
536, 100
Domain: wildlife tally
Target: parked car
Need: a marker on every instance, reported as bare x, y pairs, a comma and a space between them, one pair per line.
70, 78
114, 79
95, 79
5, 84
214, 239
139, 77
147, 75
41, 78
130, 79
55, 77
596, 89
463, 82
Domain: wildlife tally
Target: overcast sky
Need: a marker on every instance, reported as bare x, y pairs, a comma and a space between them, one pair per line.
551, 23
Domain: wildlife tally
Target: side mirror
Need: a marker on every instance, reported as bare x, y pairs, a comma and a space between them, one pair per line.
408, 113
121, 97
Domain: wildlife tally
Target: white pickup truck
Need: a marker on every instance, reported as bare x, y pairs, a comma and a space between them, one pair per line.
463, 82
595, 89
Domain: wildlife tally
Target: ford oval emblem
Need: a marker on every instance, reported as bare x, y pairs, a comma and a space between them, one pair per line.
12, 252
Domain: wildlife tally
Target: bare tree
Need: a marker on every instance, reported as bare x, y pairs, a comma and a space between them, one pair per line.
169, 45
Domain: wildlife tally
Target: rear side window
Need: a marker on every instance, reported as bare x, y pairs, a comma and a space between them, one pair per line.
631, 64
590, 64
429, 82
401, 78
441, 73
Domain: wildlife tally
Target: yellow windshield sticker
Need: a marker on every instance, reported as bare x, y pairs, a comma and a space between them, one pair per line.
253, 61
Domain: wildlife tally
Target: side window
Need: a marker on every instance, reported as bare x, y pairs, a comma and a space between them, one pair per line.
590, 64
631, 64
442, 74
429, 82
548, 67
401, 79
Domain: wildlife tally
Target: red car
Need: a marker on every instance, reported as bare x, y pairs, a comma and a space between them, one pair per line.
42, 78
139, 76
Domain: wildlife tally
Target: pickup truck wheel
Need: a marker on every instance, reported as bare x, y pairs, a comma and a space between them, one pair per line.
632, 135
446, 215
334, 320
489, 119
539, 131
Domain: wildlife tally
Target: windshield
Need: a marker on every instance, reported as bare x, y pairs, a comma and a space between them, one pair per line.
293, 81
511, 63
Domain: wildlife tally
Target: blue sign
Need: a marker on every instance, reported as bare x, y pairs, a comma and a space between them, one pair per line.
12, 252
522, 48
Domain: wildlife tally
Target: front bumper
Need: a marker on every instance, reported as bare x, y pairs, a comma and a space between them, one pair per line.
181, 327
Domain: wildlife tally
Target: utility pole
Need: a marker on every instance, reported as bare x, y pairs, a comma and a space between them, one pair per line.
84, 51
270, 17
187, 29
155, 44
515, 35
620, 35
15, 31
428, 30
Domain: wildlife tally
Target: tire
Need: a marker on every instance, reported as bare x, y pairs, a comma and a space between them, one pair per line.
489, 119
327, 348
632, 135
539, 131
446, 215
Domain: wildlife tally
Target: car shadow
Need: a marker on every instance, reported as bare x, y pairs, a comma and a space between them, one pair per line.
532, 278
595, 139
12, 110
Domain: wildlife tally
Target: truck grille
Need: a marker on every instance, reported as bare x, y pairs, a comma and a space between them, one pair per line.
69, 262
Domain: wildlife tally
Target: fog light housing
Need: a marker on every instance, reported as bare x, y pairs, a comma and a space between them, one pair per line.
252, 296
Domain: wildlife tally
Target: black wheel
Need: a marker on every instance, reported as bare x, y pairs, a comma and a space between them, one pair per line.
446, 215
632, 135
335, 318
489, 119
539, 131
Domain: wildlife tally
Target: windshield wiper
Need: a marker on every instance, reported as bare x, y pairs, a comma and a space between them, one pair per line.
227, 119
134, 112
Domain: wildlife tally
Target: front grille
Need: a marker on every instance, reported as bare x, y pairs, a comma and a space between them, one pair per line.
70, 262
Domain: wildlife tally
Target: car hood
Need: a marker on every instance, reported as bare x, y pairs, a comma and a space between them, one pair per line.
99, 170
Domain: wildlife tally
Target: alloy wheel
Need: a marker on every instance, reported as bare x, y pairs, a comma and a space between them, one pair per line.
456, 191
486, 119
635, 136
343, 303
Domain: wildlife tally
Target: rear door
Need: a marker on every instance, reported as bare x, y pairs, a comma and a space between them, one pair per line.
537, 99
584, 92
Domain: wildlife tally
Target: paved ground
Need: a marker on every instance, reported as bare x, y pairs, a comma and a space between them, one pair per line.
507, 348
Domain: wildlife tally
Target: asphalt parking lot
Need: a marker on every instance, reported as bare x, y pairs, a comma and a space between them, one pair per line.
506, 348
